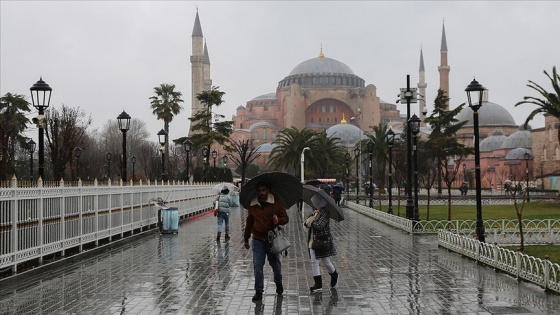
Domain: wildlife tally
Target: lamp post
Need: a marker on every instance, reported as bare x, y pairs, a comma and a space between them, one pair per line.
390, 138
414, 124
410, 96
347, 158
133, 160
124, 125
302, 163
205, 154
464, 172
225, 160
527, 156
214, 156
187, 147
77, 154
478, 89
41, 99
32, 147
108, 155
162, 138
357, 157
370, 147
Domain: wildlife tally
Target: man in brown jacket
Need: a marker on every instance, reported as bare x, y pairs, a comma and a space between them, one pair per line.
265, 213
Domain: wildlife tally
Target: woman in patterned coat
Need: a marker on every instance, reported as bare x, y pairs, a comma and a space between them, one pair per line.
319, 228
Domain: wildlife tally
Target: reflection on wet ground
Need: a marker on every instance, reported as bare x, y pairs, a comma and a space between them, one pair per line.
382, 271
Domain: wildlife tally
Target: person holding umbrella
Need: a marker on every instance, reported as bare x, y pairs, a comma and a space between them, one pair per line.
265, 213
224, 203
318, 224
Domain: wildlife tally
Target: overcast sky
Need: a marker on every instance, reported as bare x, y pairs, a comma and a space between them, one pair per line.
107, 56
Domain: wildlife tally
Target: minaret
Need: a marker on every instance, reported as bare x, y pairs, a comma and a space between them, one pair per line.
422, 87
444, 67
207, 79
197, 66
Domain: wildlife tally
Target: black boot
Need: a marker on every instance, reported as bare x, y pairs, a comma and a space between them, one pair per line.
334, 279
257, 297
218, 236
227, 237
318, 286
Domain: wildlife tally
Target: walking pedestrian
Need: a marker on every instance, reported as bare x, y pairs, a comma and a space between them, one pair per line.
318, 224
264, 214
224, 203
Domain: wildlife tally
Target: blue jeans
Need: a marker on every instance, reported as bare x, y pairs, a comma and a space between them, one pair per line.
261, 250
223, 216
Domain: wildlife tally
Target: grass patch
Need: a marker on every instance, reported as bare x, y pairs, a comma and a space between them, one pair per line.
540, 251
534, 210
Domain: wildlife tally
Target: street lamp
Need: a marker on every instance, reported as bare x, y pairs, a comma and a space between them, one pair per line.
478, 90
133, 160
162, 138
124, 125
108, 155
347, 158
225, 160
390, 138
205, 154
302, 163
410, 95
32, 146
77, 154
527, 156
41, 99
464, 172
414, 124
357, 156
187, 147
214, 156
370, 147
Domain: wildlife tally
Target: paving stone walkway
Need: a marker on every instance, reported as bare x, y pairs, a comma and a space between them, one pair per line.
382, 271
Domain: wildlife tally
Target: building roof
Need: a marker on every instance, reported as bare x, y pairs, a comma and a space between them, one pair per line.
489, 114
266, 147
321, 65
494, 142
518, 154
518, 139
349, 134
269, 96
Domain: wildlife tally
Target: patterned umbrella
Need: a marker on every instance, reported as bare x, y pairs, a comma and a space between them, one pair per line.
335, 212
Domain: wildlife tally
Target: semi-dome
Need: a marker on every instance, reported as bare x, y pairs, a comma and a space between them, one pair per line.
322, 72
349, 134
494, 142
518, 139
266, 147
518, 154
269, 96
262, 124
489, 114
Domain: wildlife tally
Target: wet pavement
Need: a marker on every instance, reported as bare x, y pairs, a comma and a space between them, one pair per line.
382, 271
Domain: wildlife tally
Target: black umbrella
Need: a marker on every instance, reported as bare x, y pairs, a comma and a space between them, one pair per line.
335, 212
339, 187
313, 182
284, 186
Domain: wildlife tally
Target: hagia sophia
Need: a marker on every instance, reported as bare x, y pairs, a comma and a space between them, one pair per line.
322, 93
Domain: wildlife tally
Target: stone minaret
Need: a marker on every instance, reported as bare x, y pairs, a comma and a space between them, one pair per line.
422, 87
444, 67
207, 79
198, 66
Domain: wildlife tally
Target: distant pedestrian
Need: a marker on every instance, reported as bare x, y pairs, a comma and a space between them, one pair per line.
319, 228
337, 195
224, 203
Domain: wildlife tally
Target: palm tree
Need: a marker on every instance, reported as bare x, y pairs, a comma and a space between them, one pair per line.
327, 155
549, 104
290, 142
165, 105
12, 123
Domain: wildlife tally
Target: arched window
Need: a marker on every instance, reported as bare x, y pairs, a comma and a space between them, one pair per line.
550, 134
544, 155
312, 120
328, 120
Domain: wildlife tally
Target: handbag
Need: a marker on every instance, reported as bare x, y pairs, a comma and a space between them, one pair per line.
279, 241
321, 245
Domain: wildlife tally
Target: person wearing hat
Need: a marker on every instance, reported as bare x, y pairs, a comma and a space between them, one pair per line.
224, 203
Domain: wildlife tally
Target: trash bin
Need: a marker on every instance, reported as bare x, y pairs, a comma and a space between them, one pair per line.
170, 220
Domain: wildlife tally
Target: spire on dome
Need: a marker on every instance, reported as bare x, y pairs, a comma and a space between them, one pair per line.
321, 56
343, 121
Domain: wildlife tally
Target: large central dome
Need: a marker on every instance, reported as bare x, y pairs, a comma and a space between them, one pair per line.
321, 65
322, 72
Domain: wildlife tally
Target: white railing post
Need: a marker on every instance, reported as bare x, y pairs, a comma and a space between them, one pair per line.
62, 217
15, 242
80, 212
40, 215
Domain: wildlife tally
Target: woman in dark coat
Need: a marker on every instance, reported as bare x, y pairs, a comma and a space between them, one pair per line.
319, 228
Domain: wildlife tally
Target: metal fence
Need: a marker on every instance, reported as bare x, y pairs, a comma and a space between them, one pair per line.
39, 221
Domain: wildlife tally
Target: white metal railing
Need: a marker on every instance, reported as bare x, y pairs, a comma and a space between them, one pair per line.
503, 231
522, 266
37, 221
